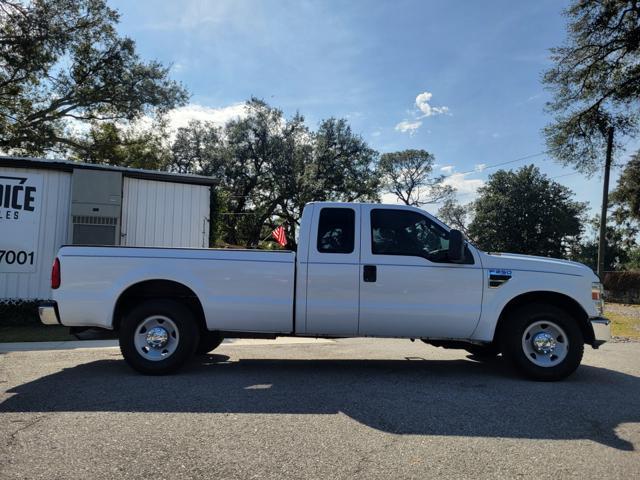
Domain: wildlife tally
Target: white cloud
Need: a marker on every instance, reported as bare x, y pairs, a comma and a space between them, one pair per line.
447, 169
376, 133
389, 198
193, 14
479, 167
463, 185
422, 102
424, 109
406, 126
178, 67
180, 117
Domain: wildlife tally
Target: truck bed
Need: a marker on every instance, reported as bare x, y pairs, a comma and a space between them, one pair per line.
240, 290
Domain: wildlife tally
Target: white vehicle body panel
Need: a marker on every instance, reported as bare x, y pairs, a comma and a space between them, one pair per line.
413, 297
332, 285
532, 274
313, 293
247, 290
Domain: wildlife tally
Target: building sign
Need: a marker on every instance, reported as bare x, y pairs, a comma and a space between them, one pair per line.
20, 210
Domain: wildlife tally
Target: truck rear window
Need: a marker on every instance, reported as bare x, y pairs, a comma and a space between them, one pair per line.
336, 230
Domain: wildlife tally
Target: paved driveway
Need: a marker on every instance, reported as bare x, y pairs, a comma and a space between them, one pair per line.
347, 409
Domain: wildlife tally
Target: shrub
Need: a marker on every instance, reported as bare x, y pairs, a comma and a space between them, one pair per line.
623, 286
18, 312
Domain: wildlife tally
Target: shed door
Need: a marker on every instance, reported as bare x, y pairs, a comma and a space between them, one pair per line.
163, 214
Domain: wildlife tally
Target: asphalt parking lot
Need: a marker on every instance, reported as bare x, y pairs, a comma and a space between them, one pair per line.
346, 409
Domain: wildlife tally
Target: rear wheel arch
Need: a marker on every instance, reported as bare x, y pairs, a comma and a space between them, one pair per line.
145, 290
559, 300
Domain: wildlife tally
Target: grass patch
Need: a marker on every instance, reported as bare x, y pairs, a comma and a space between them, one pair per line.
625, 319
35, 333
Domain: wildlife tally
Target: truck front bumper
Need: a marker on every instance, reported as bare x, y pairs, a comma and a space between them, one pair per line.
48, 313
601, 331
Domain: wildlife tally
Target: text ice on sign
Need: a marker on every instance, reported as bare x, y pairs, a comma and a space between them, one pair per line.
20, 211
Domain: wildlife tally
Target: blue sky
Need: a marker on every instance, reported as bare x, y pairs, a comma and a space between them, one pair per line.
477, 65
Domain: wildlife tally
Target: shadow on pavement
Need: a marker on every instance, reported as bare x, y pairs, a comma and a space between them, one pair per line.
412, 396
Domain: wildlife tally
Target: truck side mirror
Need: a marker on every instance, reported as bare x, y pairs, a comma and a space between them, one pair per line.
456, 246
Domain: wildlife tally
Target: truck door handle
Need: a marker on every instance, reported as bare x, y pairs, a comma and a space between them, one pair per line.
369, 273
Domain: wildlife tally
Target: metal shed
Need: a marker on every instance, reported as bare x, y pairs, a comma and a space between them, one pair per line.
48, 203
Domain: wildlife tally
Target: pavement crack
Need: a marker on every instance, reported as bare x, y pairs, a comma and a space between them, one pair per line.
13, 437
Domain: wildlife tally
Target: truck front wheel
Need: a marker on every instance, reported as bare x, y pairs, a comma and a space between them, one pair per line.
158, 336
543, 342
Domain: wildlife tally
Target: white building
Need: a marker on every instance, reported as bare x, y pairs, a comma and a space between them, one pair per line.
48, 203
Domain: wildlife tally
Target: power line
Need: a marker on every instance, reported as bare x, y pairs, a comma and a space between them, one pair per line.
494, 165
565, 175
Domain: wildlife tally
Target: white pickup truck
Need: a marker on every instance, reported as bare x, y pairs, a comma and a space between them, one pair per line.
360, 270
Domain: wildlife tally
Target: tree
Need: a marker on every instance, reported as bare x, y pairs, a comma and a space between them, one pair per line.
331, 164
269, 167
408, 175
626, 197
525, 212
456, 215
620, 251
595, 83
108, 143
64, 68
195, 149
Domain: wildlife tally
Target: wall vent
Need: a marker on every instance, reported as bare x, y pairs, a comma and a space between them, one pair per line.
96, 203
89, 220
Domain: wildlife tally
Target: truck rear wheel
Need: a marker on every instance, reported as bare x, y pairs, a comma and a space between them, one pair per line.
158, 336
208, 341
543, 342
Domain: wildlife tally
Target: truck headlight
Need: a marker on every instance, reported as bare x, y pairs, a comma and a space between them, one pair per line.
597, 295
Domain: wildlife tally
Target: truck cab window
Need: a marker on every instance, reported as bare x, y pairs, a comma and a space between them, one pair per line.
403, 232
336, 230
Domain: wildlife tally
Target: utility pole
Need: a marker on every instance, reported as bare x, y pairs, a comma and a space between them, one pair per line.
602, 245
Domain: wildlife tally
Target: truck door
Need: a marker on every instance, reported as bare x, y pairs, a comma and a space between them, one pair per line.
333, 271
408, 288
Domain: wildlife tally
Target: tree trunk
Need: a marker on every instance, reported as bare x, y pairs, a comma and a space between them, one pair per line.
602, 245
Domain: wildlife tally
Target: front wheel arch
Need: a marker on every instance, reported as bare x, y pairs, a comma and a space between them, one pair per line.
559, 300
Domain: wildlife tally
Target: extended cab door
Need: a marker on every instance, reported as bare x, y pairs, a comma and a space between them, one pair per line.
333, 270
408, 288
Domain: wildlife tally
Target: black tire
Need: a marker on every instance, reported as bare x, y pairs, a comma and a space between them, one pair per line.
513, 348
483, 352
209, 341
188, 335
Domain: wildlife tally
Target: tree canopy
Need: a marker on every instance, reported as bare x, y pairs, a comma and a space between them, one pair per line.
409, 176
621, 249
64, 70
269, 167
626, 197
524, 211
595, 81
456, 215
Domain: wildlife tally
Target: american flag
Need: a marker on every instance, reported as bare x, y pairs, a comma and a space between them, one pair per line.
279, 235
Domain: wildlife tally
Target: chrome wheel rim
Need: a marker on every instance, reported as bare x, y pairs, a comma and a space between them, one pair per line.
545, 343
156, 338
